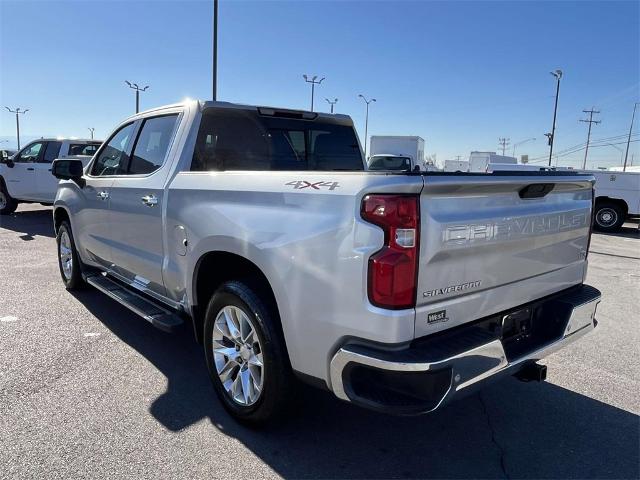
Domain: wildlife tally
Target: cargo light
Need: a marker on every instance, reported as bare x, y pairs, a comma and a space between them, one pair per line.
393, 269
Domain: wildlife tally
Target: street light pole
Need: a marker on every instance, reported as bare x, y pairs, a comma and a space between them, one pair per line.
520, 143
366, 122
215, 50
332, 103
626, 155
91, 129
17, 111
138, 89
558, 75
313, 83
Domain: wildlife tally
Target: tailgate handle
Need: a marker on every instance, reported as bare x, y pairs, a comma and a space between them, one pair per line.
536, 190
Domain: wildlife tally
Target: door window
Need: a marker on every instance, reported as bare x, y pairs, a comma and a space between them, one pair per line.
30, 153
51, 152
113, 157
152, 144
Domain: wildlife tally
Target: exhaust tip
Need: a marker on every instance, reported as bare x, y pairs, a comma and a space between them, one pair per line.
532, 372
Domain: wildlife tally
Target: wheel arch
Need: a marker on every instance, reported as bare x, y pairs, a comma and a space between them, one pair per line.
212, 269
618, 201
60, 214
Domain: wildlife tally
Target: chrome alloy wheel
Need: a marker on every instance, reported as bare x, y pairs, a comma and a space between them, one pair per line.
66, 255
237, 353
3, 200
606, 217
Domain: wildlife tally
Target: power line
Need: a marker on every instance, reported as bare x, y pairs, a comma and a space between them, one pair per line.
581, 145
590, 121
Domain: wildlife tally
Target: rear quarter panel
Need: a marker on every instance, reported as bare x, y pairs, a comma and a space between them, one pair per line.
308, 241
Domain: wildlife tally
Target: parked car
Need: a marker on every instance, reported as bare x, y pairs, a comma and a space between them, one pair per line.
262, 229
26, 176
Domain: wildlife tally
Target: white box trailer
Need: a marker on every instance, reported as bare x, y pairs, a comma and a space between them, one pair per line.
481, 161
456, 165
390, 152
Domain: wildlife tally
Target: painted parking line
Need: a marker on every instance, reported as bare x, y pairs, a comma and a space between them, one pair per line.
8, 318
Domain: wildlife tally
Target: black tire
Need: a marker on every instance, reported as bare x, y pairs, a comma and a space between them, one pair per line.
71, 274
608, 217
276, 371
8, 204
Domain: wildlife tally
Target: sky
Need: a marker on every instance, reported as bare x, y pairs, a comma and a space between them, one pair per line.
459, 74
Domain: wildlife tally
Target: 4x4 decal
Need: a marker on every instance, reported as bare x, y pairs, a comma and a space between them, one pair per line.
300, 184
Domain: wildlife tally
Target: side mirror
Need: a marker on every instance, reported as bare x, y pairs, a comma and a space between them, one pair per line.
68, 169
10, 163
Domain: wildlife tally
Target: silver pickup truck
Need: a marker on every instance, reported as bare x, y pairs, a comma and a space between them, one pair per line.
260, 228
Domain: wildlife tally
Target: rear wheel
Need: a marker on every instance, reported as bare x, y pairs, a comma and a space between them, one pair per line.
245, 354
8, 204
609, 217
68, 260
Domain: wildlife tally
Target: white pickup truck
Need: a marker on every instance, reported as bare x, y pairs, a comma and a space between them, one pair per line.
261, 229
26, 176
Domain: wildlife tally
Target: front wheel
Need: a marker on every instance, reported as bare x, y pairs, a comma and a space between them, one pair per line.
8, 204
68, 260
609, 217
245, 354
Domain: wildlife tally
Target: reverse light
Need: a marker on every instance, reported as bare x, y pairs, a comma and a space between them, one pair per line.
393, 269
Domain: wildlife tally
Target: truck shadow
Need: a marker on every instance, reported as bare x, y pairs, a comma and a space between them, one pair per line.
511, 429
29, 223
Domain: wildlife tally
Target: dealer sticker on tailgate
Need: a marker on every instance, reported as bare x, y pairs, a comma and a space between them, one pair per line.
437, 317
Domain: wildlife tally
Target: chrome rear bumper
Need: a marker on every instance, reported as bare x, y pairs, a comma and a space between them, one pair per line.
453, 373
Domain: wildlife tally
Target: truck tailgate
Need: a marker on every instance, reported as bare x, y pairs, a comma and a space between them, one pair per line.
492, 242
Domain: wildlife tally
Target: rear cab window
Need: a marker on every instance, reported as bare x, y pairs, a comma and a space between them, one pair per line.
236, 139
88, 149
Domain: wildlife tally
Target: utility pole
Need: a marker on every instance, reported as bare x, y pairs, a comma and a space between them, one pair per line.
313, 83
590, 122
91, 129
626, 155
215, 50
504, 143
558, 74
366, 122
332, 103
135, 87
17, 111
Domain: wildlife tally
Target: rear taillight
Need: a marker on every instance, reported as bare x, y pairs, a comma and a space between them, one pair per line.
393, 269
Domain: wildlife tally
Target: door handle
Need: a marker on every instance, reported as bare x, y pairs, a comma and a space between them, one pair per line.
103, 195
31, 169
150, 200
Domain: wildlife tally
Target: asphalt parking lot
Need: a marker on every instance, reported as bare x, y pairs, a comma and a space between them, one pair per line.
87, 389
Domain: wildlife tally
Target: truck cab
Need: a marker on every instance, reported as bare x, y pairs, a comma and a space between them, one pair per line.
26, 176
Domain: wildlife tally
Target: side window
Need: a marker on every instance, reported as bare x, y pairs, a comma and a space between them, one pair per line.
51, 152
30, 153
152, 144
82, 149
112, 158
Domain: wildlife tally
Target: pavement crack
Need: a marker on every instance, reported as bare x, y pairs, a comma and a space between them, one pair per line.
493, 437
